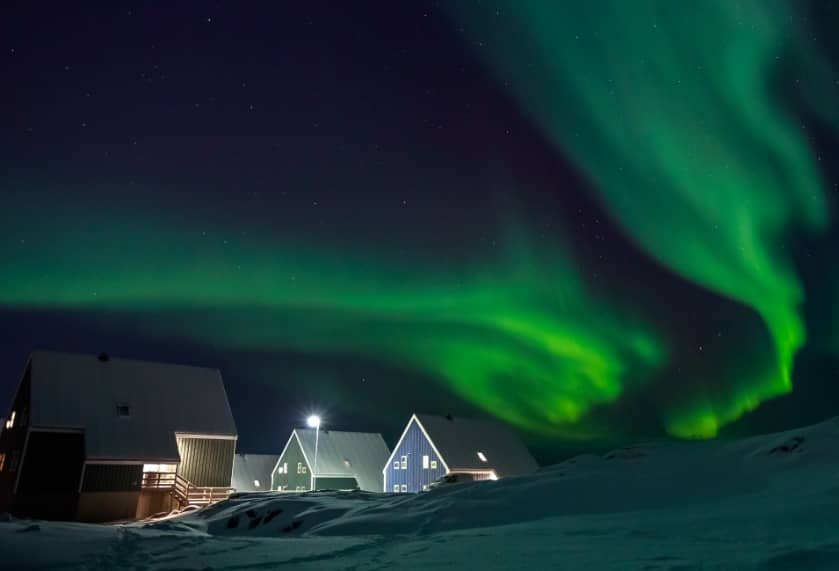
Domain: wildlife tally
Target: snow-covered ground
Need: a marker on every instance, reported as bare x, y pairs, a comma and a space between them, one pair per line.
768, 502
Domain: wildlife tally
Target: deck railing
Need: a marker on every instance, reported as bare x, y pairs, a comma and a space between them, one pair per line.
185, 492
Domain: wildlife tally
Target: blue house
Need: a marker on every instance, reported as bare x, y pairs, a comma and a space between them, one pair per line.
433, 446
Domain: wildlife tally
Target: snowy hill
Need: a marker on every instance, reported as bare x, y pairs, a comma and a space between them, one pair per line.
767, 502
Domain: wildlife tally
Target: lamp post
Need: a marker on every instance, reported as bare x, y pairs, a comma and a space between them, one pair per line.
314, 422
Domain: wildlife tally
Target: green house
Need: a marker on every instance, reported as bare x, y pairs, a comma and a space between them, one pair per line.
330, 460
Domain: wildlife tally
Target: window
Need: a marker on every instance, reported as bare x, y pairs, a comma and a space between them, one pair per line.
347, 463
404, 488
285, 467
482, 457
404, 462
256, 483
123, 410
425, 487
395, 488
2, 460
304, 470
396, 464
300, 467
425, 461
434, 464
10, 423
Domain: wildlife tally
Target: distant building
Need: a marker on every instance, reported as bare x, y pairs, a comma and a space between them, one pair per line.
252, 472
432, 446
345, 461
100, 439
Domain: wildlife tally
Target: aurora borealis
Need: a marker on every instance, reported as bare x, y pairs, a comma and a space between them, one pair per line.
591, 221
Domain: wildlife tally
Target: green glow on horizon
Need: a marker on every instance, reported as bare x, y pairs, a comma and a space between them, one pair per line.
517, 334
669, 108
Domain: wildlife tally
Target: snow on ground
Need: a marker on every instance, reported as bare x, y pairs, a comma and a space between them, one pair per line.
767, 503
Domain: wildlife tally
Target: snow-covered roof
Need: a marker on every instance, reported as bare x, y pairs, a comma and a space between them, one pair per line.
346, 454
251, 468
461, 441
90, 393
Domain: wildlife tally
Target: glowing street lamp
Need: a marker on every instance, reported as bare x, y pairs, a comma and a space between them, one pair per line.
314, 422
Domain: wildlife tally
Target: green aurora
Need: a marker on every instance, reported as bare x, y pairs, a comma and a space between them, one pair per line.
672, 111
518, 336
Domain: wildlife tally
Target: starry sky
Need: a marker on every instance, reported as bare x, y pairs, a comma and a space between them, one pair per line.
596, 222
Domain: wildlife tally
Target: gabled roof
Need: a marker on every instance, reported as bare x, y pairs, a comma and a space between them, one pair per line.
250, 468
458, 441
71, 391
346, 454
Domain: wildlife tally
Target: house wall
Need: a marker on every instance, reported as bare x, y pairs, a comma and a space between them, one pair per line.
154, 501
414, 445
206, 461
292, 481
112, 477
100, 507
12, 441
51, 473
335, 483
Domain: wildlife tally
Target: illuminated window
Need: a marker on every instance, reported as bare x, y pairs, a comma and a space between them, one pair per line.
482, 457
285, 467
396, 464
2, 461
404, 462
404, 488
256, 483
300, 467
10, 423
434, 464
425, 461
164, 468
395, 488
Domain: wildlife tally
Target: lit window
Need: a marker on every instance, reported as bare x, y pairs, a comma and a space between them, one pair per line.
425, 462
256, 483
285, 467
404, 488
123, 410
482, 457
396, 464
304, 469
434, 464
164, 468
395, 488
11, 422
404, 462
300, 467
2, 460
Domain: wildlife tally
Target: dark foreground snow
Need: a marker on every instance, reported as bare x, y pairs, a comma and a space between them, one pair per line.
768, 503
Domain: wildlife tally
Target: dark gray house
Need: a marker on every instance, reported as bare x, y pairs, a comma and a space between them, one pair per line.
345, 461
432, 446
98, 439
252, 472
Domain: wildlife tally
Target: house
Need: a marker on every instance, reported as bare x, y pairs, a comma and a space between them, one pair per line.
432, 446
344, 461
252, 472
92, 438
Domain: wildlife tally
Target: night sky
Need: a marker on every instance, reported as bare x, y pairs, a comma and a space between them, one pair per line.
597, 221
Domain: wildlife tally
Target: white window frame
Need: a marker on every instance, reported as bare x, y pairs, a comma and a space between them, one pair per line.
434, 464
425, 461
300, 467
404, 462
396, 464
395, 488
403, 488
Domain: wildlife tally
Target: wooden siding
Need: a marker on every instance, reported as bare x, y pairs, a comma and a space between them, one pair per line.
293, 454
414, 445
112, 477
206, 461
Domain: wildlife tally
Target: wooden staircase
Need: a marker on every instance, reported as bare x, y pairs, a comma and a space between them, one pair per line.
184, 492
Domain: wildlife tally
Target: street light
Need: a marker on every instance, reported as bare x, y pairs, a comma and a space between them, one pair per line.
314, 422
